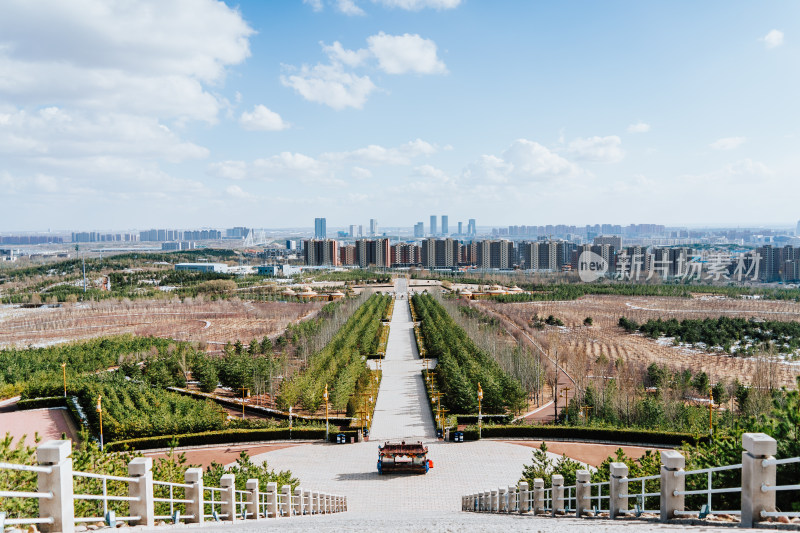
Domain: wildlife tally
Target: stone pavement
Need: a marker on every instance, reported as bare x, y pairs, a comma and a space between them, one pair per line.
390, 520
402, 411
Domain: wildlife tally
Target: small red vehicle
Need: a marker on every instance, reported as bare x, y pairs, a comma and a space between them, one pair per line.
402, 458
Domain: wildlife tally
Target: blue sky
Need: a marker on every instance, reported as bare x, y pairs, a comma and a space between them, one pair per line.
186, 113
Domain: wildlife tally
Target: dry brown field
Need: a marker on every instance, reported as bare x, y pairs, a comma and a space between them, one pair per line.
210, 323
586, 344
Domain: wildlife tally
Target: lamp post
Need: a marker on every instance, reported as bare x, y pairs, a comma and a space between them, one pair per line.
710, 411
243, 389
325, 396
564, 393
100, 412
480, 412
64, 371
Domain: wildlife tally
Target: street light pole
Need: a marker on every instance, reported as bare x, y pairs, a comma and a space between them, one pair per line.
100, 411
480, 412
64, 371
325, 395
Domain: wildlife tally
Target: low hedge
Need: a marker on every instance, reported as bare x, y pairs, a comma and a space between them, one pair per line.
42, 403
229, 436
487, 419
638, 436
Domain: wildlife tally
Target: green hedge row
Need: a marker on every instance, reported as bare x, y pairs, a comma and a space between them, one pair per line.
229, 436
637, 436
41, 403
487, 419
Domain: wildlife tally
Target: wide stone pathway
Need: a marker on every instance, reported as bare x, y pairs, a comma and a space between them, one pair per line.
402, 410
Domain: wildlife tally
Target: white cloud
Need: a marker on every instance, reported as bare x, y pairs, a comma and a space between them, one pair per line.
744, 172
55, 133
728, 143
524, 161
316, 5
399, 54
597, 149
379, 155
263, 119
349, 7
361, 173
639, 127
232, 170
236, 192
90, 53
330, 85
338, 54
773, 39
416, 5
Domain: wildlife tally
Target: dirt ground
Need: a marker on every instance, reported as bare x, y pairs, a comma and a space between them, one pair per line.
606, 338
213, 323
222, 454
49, 424
585, 452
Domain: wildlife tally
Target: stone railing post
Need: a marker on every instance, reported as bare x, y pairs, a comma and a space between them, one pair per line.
757, 448
315, 502
538, 495
557, 494
502, 500
524, 503
272, 500
618, 485
298, 501
479, 507
308, 504
196, 509
228, 496
253, 497
494, 500
582, 492
512, 499
671, 462
141, 468
286, 507
61, 508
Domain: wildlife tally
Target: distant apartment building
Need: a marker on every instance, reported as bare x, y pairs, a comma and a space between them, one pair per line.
321, 252
495, 254
611, 240
405, 254
347, 254
433, 225
606, 251
320, 228
373, 227
472, 228
547, 256
202, 235
419, 230
239, 232
31, 239
372, 252
445, 226
460, 228
352, 231
177, 246
440, 253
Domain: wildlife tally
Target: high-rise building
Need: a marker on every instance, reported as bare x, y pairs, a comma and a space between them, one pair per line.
373, 252
495, 254
461, 228
797, 231
318, 252
352, 230
373, 227
445, 226
360, 231
472, 229
419, 230
611, 240
433, 225
440, 253
320, 229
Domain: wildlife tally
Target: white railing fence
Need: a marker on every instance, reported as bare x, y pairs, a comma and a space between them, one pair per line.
188, 502
612, 498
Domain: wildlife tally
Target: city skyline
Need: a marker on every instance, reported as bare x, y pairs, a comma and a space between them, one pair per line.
263, 114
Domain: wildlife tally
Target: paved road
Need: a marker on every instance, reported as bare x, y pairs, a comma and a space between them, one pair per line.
402, 411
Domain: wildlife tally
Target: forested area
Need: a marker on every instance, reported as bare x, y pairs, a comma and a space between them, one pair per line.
461, 365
